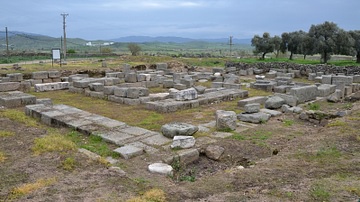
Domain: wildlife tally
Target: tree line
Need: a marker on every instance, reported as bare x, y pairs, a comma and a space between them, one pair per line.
325, 39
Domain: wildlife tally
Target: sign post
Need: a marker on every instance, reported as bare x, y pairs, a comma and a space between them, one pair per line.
56, 55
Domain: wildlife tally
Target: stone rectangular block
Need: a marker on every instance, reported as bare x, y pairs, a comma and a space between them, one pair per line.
9, 86
40, 75
347, 80
51, 86
305, 93
325, 90
131, 78
15, 77
256, 99
289, 99
54, 74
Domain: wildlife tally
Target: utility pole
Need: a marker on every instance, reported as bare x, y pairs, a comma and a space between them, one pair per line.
64, 15
7, 43
231, 43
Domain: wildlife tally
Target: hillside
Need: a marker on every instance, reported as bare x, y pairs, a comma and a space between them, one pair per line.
20, 41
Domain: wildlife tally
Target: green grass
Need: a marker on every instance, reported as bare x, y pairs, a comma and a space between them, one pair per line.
319, 192
5, 133
288, 122
256, 136
92, 143
314, 106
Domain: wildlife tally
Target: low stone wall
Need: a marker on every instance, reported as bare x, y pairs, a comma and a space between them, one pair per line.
304, 69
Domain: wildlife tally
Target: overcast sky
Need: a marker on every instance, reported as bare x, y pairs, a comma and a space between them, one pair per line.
108, 19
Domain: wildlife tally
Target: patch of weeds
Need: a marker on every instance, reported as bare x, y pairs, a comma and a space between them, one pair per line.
31, 187
227, 130
323, 155
152, 195
140, 180
53, 143
180, 173
353, 190
18, 116
255, 92
5, 133
319, 192
151, 122
201, 134
288, 122
238, 136
2, 157
347, 106
313, 106
69, 164
92, 143
337, 123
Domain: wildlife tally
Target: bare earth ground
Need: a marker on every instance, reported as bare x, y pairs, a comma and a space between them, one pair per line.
284, 160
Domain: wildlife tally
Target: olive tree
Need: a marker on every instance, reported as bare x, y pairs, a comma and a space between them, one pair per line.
293, 42
329, 39
356, 36
262, 44
134, 48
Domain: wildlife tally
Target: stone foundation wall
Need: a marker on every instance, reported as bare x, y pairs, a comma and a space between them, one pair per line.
304, 69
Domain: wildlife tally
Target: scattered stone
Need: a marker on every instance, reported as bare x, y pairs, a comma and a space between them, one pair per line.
225, 120
183, 142
274, 102
252, 108
160, 168
214, 152
259, 117
272, 113
187, 94
171, 130
129, 151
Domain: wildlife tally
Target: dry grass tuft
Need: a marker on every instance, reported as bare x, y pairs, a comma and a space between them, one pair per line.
2, 157
31, 187
153, 195
5, 133
18, 116
53, 143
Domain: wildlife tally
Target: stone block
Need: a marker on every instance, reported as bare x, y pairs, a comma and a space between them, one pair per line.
35, 81
183, 142
15, 77
187, 94
274, 102
347, 80
259, 117
129, 151
171, 130
25, 86
272, 113
95, 94
304, 93
214, 152
187, 82
356, 79
325, 90
9, 86
168, 83
120, 92
160, 168
114, 98
51, 86
109, 90
217, 84
225, 120
133, 92
40, 75
76, 90
131, 78
289, 99
311, 76
44, 101
256, 99
131, 101
97, 87
54, 74
188, 156
252, 108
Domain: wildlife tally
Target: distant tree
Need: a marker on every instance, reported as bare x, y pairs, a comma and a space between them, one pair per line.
330, 39
71, 51
106, 50
262, 44
307, 46
292, 42
276, 41
134, 48
356, 36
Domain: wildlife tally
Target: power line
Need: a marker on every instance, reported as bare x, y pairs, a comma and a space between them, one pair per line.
64, 15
